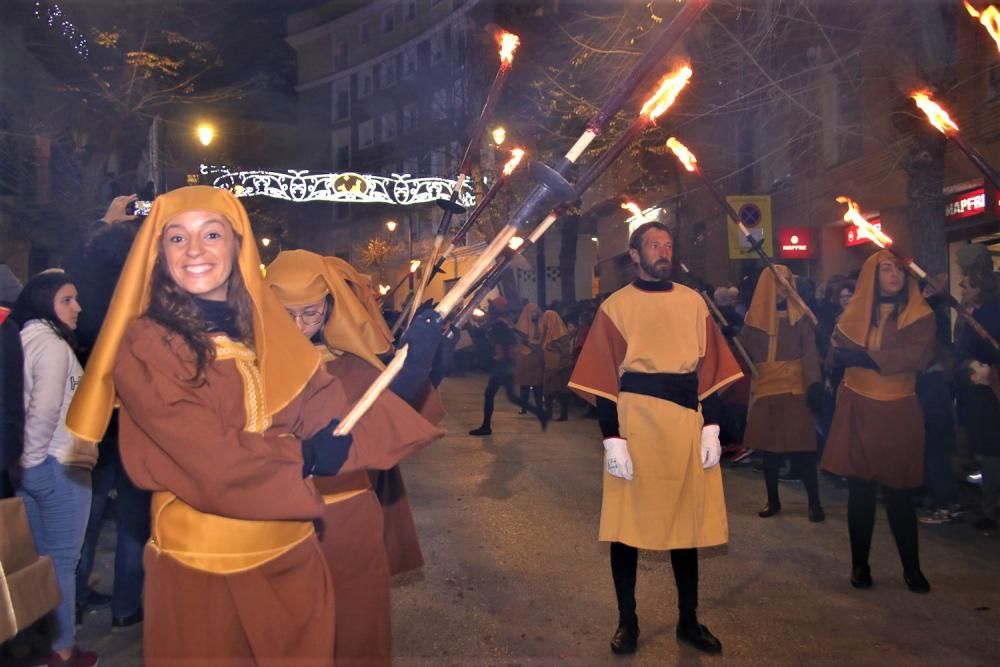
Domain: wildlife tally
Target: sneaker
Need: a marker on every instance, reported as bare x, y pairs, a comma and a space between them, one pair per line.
937, 517
76, 659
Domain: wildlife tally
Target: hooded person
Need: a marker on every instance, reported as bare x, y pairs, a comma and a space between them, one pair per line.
225, 414
883, 339
363, 543
530, 362
361, 285
781, 343
557, 351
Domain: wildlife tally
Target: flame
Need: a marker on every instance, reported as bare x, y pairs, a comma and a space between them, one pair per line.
669, 89
865, 229
990, 18
383, 290
499, 135
938, 117
515, 159
478, 312
633, 208
414, 265
508, 43
686, 157
515, 242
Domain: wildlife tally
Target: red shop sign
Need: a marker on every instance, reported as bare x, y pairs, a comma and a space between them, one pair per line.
795, 243
965, 204
853, 238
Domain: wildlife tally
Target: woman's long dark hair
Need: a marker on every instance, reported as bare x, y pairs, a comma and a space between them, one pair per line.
37, 301
175, 309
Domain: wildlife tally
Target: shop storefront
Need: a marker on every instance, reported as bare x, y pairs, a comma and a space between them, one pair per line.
972, 215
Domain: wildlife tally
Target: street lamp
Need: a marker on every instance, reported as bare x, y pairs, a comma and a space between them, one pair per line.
391, 225
499, 135
265, 241
205, 134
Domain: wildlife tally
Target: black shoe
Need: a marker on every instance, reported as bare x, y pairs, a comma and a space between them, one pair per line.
769, 509
816, 514
699, 637
482, 430
119, 623
861, 576
79, 615
626, 638
917, 582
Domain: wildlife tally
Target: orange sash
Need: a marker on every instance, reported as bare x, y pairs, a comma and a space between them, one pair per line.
778, 377
872, 384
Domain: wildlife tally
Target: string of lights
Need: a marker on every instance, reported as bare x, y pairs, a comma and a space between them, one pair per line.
55, 18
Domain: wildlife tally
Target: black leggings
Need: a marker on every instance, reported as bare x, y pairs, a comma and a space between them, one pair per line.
504, 378
802, 462
900, 510
531, 390
624, 564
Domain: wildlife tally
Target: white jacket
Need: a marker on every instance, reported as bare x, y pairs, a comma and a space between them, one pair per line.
51, 375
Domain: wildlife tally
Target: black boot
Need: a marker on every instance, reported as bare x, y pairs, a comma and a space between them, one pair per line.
771, 465
770, 509
700, 637
917, 582
626, 637
861, 576
482, 430
816, 514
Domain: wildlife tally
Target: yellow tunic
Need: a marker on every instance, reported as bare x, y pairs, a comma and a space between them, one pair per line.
672, 502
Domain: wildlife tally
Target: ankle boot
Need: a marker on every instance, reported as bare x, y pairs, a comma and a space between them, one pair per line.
770, 509
626, 638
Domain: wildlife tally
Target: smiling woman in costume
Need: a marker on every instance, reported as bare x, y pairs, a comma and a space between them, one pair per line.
329, 314
883, 339
225, 414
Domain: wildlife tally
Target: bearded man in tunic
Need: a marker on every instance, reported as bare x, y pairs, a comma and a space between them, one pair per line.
652, 363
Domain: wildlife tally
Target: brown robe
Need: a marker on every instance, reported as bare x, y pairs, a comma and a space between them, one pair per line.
191, 441
355, 534
558, 365
875, 439
781, 422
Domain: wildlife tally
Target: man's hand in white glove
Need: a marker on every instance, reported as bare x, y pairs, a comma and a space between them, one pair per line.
616, 458
711, 448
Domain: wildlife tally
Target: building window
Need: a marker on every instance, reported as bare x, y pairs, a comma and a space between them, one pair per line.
389, 126
387, 72
366, 31
366, 83
437, 47
411, 117
411, 166
409, 10
461, 41
438, 159
340, 55
342, 149
388, 20
342, 99
460, 96
366, 134
409, 62
439, 104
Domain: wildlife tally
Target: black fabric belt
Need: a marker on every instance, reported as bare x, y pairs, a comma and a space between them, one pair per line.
679, 388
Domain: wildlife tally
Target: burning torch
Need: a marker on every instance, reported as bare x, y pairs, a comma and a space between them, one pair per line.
508, 44
940, 119
690, 163
990, 18
383, 295
552, 184
882, 240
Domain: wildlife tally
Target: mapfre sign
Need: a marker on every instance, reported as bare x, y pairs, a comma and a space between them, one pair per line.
965, 204
795, 243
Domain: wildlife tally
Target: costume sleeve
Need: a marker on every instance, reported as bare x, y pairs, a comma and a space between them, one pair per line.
717, 368
915, 352
388, 432
173, 438
607, 418
596, 371
810, 354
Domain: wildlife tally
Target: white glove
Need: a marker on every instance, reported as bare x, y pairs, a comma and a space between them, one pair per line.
711, 448
616, 458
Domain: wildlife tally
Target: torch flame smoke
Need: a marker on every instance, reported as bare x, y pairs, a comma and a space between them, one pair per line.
632, 208
515, 159
669, 89
865, 228
938, 117
686, 157
508, 44
414, 265
990, 18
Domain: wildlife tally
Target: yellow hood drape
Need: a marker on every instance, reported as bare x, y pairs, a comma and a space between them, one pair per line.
526, 323
553, 327
856, 320
286, 360
763, 312
362, 286
298, 277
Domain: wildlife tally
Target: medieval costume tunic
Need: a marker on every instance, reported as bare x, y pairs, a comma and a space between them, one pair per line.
353, 536
656, 353
530, 365
234, 571
877, 436
557, 350
781, 343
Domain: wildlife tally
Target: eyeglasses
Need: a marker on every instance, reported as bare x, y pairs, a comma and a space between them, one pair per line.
309, 317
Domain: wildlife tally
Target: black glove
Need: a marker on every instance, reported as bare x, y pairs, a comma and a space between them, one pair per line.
423, 338
848, 358
730, 330
815, 397
444, 357
325, 453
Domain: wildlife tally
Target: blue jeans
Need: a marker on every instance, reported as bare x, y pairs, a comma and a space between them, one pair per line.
131, 512
57, 501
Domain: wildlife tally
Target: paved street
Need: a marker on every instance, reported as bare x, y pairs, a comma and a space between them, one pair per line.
515, 576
